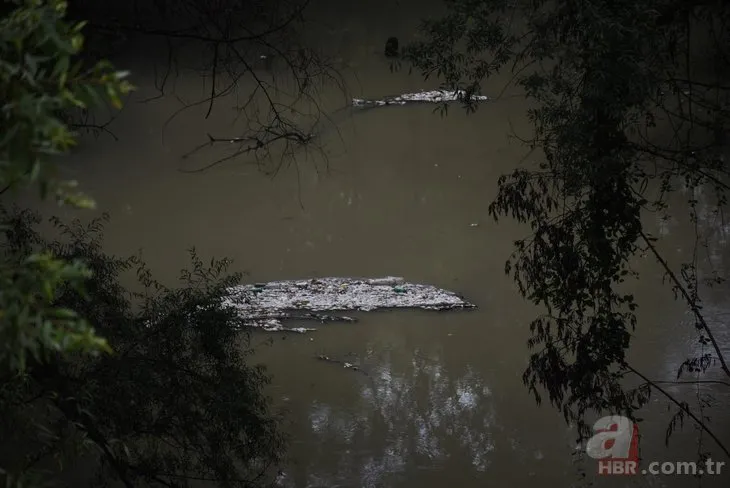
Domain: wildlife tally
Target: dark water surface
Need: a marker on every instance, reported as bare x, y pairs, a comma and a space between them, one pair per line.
439, 401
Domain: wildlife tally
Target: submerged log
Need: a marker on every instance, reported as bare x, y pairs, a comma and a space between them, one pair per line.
433, 96
266, 305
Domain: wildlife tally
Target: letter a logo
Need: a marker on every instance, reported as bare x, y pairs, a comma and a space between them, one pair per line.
616, 438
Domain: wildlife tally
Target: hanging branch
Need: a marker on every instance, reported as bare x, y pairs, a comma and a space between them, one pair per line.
232, 30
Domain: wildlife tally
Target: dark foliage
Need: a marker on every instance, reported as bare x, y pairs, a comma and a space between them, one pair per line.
631, 103
175, 402
391, 47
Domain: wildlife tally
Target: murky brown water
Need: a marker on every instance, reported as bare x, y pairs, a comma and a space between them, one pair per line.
440, 400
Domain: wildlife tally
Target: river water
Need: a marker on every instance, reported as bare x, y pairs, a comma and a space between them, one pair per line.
439, 399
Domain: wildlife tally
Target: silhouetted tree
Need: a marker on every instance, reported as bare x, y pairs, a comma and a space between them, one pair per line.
631, 105
251, 51
153, 385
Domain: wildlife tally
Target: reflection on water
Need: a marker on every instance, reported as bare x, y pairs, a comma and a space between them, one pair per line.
421, 410
442, 402
702, 241
419, 413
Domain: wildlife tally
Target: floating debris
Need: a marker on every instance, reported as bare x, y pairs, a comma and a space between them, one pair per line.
266, 305
433, 96
344, 364
270, 321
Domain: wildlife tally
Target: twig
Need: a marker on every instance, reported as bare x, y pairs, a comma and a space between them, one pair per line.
693, 306
682, 407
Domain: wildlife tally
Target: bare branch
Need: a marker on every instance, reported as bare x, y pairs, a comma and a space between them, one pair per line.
682, 407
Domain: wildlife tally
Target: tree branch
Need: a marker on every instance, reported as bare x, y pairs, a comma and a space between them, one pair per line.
671, 398
692, 304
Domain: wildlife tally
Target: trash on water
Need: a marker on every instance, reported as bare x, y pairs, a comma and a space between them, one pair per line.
267, 305
430, 96
344, 364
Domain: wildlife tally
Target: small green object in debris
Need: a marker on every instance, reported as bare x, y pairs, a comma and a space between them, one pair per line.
399, 289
